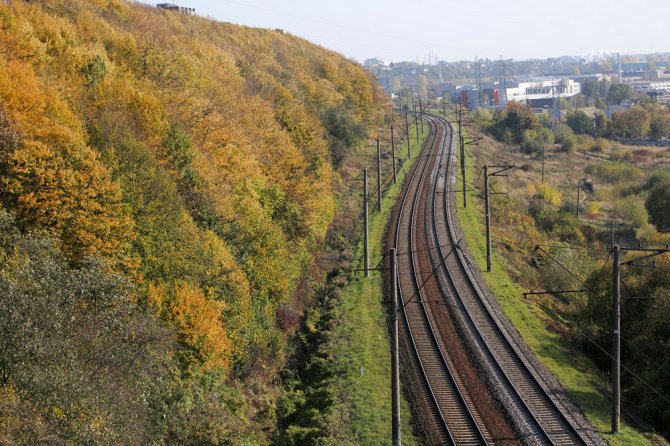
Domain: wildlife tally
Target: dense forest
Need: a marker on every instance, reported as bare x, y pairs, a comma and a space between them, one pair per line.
166, 185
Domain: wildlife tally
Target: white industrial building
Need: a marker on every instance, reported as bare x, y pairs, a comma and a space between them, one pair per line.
535, 92
541, 89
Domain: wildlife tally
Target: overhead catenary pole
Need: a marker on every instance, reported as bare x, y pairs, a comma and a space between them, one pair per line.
578, 190
416, 124
379, 176
393, 156
648, 253
543, 162
463, 174
409, 152
616, 341
421, 114
488, 218
366, 255
487, 204
395, 360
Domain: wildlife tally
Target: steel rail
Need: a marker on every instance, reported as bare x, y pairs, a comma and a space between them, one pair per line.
449, 216
445, 373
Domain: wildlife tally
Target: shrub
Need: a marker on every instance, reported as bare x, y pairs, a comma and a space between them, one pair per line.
658, 205
657, 176
546, 193
590, 233
593, 208
632, 209
614, 171
569, 144
620, 154
561, 133
600, 145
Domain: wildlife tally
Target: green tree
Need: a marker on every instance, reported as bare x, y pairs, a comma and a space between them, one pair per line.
344, 131
579, 122
602, 126
75, 346
515, 119
590, 88
659, 123
631, 123
658, 206
618, 92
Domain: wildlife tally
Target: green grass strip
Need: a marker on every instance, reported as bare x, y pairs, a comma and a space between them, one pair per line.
576, 372
364, 352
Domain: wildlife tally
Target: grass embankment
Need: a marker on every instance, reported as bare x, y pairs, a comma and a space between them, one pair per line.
365, 350
577, 373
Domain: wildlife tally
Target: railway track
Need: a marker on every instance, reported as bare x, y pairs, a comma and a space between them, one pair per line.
430, 196
453, 420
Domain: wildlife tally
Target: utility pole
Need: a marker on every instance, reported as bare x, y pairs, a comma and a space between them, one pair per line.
366, 255
421, 113
463, 174
409, 152
393, 156
498, 173
395, 362
379, 176
416, 124
616, 318
543, 162
461, 144
616, 342
488, 218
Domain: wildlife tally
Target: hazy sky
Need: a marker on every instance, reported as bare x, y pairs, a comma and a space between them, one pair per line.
449, 30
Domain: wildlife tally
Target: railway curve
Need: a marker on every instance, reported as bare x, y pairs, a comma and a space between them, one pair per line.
442, 298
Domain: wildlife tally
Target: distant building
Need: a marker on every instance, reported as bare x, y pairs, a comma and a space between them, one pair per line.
535, 92
176, 8
658, 89
373, 63
625, 105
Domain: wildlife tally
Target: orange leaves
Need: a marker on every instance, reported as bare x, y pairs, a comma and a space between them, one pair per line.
229, 213
197, 320
51, 179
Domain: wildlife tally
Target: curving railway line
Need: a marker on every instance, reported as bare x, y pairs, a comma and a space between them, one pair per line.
433, 275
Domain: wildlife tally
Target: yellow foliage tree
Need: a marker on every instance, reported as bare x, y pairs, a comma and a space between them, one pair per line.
197, 321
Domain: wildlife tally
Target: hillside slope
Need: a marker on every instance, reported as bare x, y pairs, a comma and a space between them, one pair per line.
196, 162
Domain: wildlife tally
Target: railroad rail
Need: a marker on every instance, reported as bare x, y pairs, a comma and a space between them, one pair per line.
455, 420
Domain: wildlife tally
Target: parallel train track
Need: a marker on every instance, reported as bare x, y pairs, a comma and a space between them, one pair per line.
454, 418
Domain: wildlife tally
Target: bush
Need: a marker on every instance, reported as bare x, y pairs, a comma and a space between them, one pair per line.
656, 177
561, 133
658, 205
632, 209
593, 208
619, 154
569, 144
600, 145
614, 172
546, 193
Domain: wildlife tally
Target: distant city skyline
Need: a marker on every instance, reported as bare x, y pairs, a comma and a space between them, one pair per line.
437, 30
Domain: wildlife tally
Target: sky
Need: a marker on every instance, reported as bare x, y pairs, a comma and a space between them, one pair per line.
429, 30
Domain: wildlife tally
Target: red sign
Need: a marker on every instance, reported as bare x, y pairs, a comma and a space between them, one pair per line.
464, 98
495, 96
